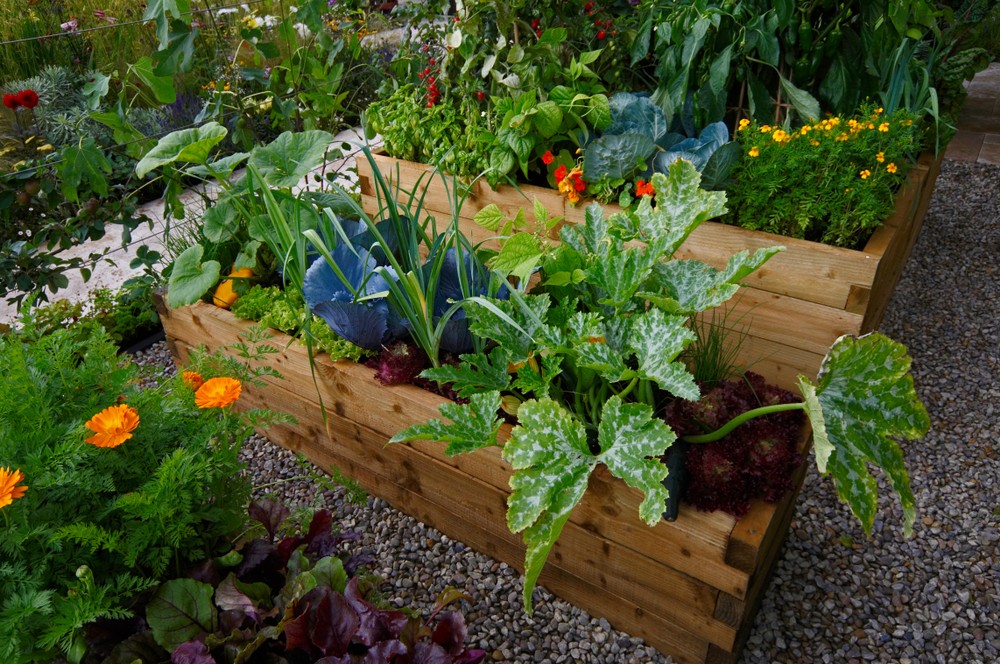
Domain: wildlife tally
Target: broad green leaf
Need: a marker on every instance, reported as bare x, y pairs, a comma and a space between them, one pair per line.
490, 217
600, 357
178, 55
541, 214
180, 610
657, 340
805, 104
188, 145
476, 374
161, 11
620, 273
548, 118
628, 435
537, 383
84, 163
616, 156
289, 158
161, 86
488, 325
865, 394
329, 571
693, 286
190, 278
716, 171
488, 63
247, 256
475, 425
220, 221
94, 90
588, 57
519, 256
223, 167
502, 159
640, 43
681, 205
539, 538
599, 113
554, 36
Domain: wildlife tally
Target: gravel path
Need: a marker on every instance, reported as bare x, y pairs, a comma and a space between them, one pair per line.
836, 596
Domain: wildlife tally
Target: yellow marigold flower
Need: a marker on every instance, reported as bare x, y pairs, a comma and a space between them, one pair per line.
884, 127
8, 490
744, 123
865, 173
891, 168
112, 426
880, 157
878, 110
193, 379
843, 137
852, 123
780, 136
815, 142
766, 129
908, 122
212, 84
849, 190
218, 392
870, 126
834, 121
805, 129
754, 152
225, 87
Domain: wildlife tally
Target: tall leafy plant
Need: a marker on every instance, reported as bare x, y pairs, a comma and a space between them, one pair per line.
596, 350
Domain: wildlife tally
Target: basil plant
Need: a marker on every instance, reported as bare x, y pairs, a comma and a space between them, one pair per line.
586, 357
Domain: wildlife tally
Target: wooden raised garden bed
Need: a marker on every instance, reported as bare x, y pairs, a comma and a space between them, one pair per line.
799, 303
690, 588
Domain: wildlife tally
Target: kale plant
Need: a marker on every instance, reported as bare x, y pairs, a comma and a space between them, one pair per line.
586, 360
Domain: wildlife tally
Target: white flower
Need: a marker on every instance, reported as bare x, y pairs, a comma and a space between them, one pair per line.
245, 7
270, 21
293, 9
226, 10
303, 31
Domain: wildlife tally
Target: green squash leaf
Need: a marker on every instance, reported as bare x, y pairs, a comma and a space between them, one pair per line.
248, 255
518, 343
865, 394
628, 434
190, 145
180, 610
220, 221
681, 204
190, 278
289, 158
475, 425
537, 383
657, 340
692, 286
224, 166
476, 374
600, 357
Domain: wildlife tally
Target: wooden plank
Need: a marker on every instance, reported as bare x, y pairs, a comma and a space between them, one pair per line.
659, 589
694, 544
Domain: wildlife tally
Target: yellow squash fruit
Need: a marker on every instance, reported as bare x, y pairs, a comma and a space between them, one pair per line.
225, 295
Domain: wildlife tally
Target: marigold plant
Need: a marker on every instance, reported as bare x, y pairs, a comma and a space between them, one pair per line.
9, 491
833, 181
112, 426
217, 392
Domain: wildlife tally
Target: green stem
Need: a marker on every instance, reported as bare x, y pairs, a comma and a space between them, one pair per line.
628, 388
736, 421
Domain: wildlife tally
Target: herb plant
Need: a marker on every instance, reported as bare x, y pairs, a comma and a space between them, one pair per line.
595, 350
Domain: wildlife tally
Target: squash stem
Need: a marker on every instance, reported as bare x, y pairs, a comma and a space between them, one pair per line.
740, 419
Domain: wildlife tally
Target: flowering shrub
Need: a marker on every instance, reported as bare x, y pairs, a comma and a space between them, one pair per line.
110, 488
833, 181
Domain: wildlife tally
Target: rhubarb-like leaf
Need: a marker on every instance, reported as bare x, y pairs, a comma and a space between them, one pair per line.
657, 340
692, 286
190, 278
865, 394
632, 440
180, 610
475, 425
476, 374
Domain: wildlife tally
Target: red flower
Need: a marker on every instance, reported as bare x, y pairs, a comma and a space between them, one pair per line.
560, 173
601, 34
547, 157
27, 98
11, 102
644, 188
579, 184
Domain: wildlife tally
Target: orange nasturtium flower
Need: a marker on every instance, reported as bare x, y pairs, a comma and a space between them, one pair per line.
112, 426
644, 188
193, 380
8, 492
218, 392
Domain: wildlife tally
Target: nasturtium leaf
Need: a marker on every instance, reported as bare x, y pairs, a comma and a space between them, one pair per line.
693, 286
180, 610
628, 434
865, 394
220, 221
475, 425
189, 145
289, 158
490, 217
476, 374
190, 278
657, 340
519, 256
84, 162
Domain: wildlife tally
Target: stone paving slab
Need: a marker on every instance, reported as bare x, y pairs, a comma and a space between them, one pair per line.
978, 136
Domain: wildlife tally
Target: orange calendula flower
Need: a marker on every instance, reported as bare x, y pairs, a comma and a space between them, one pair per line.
884, 127
644, 188
754, 152
865, 173
891, 168
193, 380
112, 426
218, 392
8, 490
880, 157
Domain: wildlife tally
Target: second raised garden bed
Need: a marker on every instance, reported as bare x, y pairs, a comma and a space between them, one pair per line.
690, 587
797, 305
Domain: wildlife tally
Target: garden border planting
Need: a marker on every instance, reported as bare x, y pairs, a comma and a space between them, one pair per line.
690, 587
797, 305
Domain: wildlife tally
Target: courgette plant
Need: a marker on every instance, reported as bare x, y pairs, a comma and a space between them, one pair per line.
587, 357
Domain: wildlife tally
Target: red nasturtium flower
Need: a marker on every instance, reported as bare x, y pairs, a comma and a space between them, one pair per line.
644, 188
560, 173
11, 102
27, 98
547, 158
579, 184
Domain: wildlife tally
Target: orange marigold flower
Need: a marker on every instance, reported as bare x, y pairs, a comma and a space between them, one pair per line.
779, 136
218, 392
547, 158
112, 426
865, 173
891, 168
644, 188
754, 152
880, 157
8, 490
193, 380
